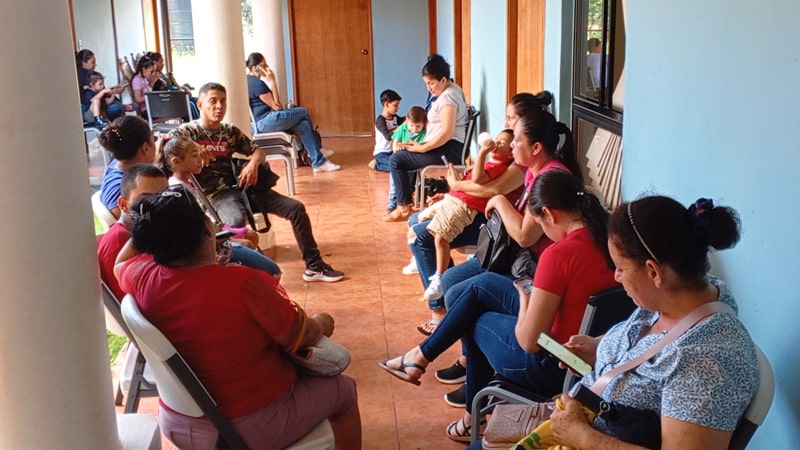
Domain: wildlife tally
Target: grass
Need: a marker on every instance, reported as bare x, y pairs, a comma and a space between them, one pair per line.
115, 344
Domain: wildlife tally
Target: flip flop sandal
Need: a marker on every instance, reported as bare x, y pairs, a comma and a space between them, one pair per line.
427, 328
397, 215
401, 373
461, 431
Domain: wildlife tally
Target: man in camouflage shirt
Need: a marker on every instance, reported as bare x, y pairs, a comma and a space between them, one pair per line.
218, 182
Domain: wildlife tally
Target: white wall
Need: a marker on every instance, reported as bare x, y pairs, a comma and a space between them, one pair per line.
94, 30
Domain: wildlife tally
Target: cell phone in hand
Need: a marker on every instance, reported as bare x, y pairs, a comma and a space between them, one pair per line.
526, 283
224, 234
562, 354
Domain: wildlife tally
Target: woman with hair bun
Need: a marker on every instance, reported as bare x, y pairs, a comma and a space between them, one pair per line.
130, 141
499, 323
700, 383
234, 326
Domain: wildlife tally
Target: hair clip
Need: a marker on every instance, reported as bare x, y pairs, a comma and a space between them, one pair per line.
581, 193
116, 131
169, 193
141, 215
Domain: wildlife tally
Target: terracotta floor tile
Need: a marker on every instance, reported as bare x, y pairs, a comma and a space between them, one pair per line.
375, 307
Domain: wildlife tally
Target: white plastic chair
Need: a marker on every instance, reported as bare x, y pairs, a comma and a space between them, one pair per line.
106, 218
183, 392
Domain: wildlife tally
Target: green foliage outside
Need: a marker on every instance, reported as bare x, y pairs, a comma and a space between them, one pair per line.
115, 344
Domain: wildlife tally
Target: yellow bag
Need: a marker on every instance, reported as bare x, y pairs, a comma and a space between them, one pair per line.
542, 436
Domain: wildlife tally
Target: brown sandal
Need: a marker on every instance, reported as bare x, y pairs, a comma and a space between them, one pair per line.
400, 213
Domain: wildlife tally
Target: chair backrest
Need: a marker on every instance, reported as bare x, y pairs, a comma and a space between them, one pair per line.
755, 413
606, 309
473, 119
114, 321
103, 214
164, 105
603, 310
178, 386
127, 73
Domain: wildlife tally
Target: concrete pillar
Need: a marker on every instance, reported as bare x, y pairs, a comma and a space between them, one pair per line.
268, 31
55, 378
219, 45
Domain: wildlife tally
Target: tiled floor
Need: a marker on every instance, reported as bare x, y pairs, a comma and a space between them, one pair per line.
376, 307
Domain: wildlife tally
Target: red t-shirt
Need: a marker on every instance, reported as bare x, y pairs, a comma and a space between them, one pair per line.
493, 170
222, 319
107, 251
530, 177
572, 268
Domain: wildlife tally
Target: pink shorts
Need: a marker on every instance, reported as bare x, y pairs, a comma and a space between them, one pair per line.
275, 426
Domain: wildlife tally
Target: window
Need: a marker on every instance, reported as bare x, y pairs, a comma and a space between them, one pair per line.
598, 87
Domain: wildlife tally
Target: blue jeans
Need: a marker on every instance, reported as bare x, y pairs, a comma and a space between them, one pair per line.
382, 161
254, 260
483, 315
400, 163
294, 120
424, 251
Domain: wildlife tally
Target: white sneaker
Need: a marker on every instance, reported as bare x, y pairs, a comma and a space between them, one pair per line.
326, 152
327, 166
434, 290
411, 268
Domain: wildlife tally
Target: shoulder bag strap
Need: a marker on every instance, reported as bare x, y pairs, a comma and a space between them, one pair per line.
687, 322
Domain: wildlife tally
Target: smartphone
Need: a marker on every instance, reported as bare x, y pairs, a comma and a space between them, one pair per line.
526, 283
224, 234
561, 353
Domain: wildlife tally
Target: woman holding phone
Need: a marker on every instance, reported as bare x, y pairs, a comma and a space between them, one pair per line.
498, 323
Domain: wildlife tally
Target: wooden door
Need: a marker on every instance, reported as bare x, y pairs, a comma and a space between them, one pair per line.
525, 46
332, 64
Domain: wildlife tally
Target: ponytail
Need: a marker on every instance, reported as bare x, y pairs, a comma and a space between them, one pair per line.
560, 190
567, 154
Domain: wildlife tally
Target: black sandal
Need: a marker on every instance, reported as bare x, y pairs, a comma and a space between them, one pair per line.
401, 372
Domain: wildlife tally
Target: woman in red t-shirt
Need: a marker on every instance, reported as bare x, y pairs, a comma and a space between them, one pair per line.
232, 325
498, 324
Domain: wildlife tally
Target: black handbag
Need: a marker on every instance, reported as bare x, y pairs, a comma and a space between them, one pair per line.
626, 423
496, 250
267, 179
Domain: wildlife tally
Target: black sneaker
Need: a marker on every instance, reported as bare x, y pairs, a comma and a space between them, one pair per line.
457, 398
452, 375
322, 273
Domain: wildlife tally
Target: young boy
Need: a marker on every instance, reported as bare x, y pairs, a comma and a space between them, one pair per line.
457, 209
97, 97
413, 129
385, 125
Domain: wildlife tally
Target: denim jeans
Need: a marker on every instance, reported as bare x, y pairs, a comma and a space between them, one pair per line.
400, 163
294, 120
231, 208
254, 260
382, 161
424, 251
483, 315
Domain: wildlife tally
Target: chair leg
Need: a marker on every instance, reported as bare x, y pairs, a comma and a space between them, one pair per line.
132, 402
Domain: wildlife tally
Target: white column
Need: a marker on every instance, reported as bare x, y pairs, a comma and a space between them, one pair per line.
219, 45
268, 31
55, 378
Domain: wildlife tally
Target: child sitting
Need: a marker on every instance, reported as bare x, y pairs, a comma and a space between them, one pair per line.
181, 157
97, 97
385, 125
457, 209
412, 130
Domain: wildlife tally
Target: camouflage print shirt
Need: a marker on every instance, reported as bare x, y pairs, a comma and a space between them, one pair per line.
222, 143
